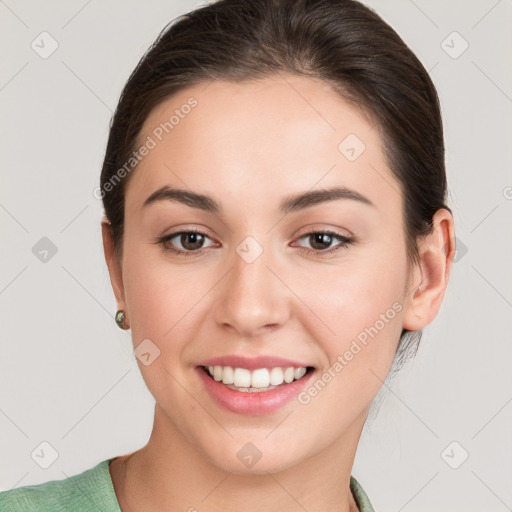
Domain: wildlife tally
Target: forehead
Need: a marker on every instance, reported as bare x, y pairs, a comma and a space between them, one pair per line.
259, 137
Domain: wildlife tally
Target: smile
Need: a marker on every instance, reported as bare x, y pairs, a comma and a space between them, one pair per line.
254, 392
254, 381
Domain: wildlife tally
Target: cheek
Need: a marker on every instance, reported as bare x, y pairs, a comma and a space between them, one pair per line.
362, 304
353, 295
159, 295
160, 300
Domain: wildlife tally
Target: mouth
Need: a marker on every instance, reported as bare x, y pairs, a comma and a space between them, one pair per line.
258, 380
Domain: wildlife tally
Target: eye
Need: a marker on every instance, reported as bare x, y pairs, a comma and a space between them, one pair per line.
189, 242
192, 242
320, 241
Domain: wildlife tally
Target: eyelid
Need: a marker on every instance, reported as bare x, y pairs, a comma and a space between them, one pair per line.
323, 228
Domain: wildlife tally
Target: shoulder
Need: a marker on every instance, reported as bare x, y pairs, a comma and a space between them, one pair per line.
91, 490
360, 496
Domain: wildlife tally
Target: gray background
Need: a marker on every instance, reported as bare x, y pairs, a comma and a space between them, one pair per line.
68, 376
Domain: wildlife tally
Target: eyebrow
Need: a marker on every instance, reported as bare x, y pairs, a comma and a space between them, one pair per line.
290, 204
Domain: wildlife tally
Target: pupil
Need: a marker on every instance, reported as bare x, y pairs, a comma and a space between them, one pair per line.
321, 238
195, 239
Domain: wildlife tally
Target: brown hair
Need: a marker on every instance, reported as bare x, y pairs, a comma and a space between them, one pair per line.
342, 42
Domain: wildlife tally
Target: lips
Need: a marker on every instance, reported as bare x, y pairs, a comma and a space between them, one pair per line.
253, 386
253, 363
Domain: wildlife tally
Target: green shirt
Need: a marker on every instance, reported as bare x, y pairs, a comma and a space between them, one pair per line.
93, 491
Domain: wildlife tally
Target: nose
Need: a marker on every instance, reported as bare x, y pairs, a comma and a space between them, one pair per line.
252, 300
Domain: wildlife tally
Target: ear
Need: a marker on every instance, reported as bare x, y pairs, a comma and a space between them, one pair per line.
113, 264
430, 275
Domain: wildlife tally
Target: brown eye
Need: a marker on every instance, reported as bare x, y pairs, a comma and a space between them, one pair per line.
191, 241
184, 242
321, 242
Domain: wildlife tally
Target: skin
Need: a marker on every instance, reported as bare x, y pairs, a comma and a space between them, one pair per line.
249, 145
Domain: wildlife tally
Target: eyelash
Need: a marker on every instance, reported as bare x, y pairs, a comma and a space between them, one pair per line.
344, 242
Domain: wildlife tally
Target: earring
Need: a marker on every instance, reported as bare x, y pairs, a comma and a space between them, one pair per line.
120, 316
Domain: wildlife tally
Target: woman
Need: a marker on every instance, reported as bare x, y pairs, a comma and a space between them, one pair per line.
276, 234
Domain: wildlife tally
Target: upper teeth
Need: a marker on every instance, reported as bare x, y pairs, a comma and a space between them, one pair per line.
260, 378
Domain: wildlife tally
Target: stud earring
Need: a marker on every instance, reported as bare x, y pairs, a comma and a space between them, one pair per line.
120, 316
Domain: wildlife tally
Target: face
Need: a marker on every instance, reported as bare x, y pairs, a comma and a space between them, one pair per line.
320, 281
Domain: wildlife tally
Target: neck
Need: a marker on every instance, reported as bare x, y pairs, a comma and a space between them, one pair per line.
169, 473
